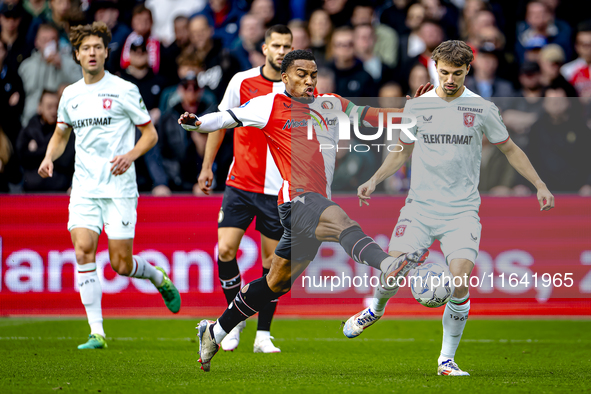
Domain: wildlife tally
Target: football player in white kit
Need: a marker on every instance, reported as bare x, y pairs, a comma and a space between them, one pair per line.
103, 110
443, 200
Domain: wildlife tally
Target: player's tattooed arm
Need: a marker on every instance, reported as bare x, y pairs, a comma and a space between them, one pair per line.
519, 160
393, 162
57, 145
149, 138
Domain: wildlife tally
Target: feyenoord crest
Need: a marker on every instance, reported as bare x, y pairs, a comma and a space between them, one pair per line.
399, 232
469, 119
327, 105
107, 103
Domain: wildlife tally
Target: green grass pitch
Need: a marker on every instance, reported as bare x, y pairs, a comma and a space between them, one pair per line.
144, 356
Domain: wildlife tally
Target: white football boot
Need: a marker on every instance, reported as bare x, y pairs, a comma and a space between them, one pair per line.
450, 368
360, 321
231, 341
263, 344
207, 346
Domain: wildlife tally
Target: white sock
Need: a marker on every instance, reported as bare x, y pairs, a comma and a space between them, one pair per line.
91, 295
380, 299
144, 270
218, 332
454, 320
262, 335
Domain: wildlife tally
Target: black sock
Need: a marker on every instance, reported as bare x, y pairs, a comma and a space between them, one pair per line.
266, 314
230, 279
252, 298
361, 247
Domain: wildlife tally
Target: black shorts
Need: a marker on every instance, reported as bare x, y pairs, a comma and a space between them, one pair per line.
240, 207
300, 218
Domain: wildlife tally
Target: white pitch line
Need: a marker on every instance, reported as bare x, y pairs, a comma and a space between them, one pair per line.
299, 339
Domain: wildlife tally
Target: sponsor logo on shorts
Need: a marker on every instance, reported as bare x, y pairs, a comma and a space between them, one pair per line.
301, 199
221, 215
399, 232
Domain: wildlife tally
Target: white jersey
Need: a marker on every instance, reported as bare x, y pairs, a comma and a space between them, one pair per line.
103, 116
445, 168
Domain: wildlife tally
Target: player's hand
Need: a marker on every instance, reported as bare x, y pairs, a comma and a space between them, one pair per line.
364, 191
197, 190
190, 119
421, 90
46, 168
205, 180
546, 199
121, 164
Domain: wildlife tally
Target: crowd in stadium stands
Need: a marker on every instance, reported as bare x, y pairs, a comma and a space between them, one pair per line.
533, 58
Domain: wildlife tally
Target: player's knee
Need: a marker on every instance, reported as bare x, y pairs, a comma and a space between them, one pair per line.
84, 254
348, 222
119, 265
227, 252
460, 291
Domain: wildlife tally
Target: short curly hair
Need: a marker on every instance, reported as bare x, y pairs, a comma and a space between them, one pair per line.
454, 52
80, 32
298, 54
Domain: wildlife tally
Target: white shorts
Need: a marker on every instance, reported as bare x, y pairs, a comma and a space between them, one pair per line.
118, 215
459, 236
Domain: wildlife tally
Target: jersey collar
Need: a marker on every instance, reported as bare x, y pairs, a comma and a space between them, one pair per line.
268, 79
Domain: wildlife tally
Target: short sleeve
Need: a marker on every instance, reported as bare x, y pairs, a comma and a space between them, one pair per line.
494, 128
62, 111
407, 115
231, 97
134, 107
256, 112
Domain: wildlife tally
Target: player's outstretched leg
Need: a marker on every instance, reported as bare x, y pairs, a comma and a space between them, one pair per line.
363, 249
387, 289
370, 315
250, 299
